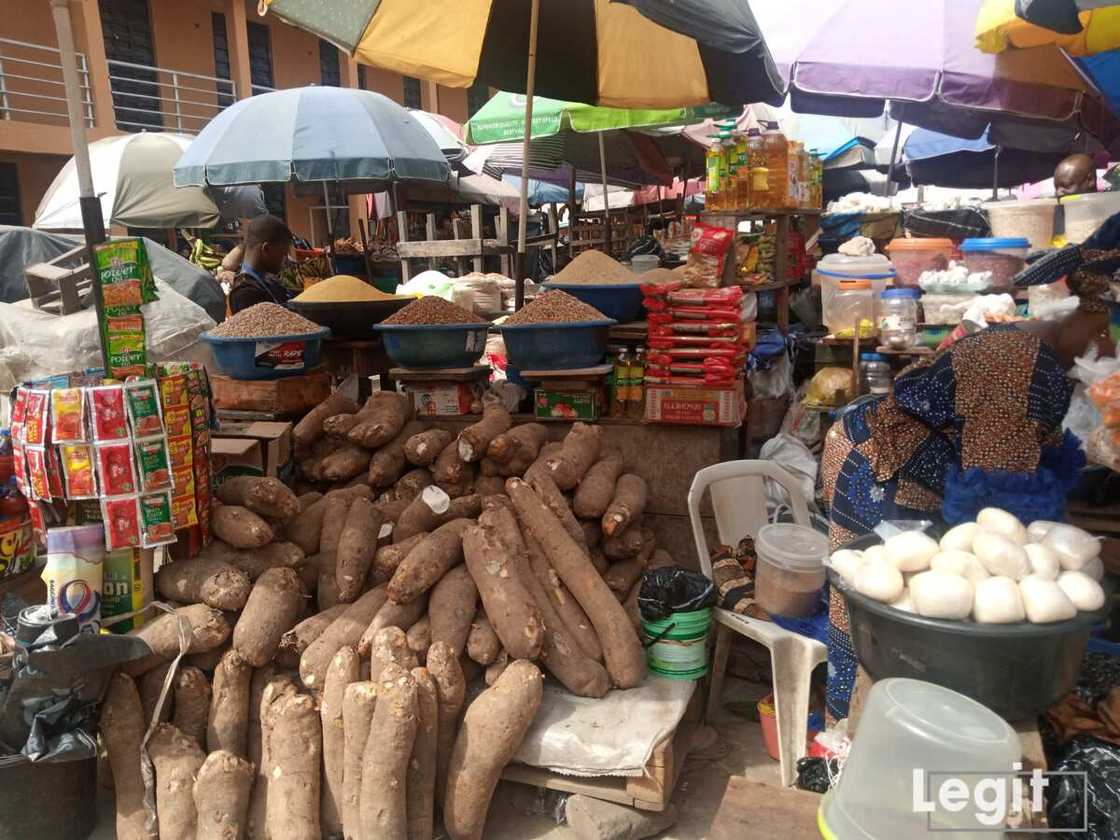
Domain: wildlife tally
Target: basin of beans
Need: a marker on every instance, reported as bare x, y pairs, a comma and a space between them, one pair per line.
431, 310
266, 341
264, 320
1003, 257
554, 307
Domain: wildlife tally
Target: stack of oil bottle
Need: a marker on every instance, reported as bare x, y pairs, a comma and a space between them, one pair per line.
760, 169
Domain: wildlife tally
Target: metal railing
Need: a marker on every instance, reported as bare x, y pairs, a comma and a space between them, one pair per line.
31, 86
146, 97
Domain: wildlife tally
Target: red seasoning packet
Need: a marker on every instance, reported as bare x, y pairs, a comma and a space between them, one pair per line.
110, 420
178, 420
67, 412
156, 526
19, 467
35, 418
183, 512
54, 474
143, 408
153, 465
19, 414
114, 469
77, 468
180, 451
38, 482
122, 522
173, 391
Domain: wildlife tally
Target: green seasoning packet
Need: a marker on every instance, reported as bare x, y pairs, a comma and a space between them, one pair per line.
152, 462
155, 520
143, 408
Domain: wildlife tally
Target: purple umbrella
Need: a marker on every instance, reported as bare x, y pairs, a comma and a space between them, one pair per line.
850, 57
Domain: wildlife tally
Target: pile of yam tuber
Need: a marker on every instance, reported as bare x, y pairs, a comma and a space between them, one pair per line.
370, 652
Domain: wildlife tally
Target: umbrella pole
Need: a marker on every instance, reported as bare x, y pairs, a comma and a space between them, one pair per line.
995, 174
92, 222
572, 214
523, 206
894, 160
327, 207
606, 198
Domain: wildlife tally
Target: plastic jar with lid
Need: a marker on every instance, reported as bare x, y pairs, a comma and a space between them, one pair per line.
1004, 257
790, 572
874, 373
898, 318
851, 308
912, 257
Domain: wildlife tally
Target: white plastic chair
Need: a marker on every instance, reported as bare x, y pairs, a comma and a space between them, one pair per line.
738, 494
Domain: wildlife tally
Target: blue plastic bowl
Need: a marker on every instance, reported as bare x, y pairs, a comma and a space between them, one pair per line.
434, 345
622, 302
559, 346
267, 357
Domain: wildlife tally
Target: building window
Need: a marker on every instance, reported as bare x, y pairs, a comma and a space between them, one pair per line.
329, 73
10, 213
412, 96
260, 57
478, 95
137, 96
221, 57
362, 81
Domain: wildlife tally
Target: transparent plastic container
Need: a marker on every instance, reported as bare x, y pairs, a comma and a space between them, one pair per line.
911, 727
1004, 257
791, 570
1031, 218
851, 306
874, 374
641, 263
1085, 213
912, 257
898, 318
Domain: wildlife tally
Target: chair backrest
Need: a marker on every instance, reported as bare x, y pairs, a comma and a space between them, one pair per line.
738, 493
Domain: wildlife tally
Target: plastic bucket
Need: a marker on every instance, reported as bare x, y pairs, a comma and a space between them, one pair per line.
1033, 219
266, 357
620, 301
768, 719
556, 346
677, 647
434, 345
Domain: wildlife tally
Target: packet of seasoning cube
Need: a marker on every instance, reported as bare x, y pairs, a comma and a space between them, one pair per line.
115, 470
77, 469
153, 465
124, 273
110, 418
173, 391
67, 413
37, 481
18, 414
35, 418
180, 451
177, 420
54, 474
142, 399
156, 527
183, 512
121, 516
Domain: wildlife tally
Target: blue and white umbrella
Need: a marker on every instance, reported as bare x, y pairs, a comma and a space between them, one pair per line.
358, 138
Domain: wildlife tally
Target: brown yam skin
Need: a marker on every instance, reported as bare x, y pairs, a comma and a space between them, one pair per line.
622, 650
451, 692
228, 725
521, 443
540, 465
419, 637
493, 728
596, 490
122, 727
310, 428
383, 803
150, 686
307, 499
265, 496
464, 486
599, 561
343, 464
474, 439
383, 417
492, 485
496, 568
422, 515
208, 628
401, 616
208, 581
388, 558
625, 545
344, 630
254, 561
177, 759
221, 796
389, 647
295, 746
392, 509
428, 562
192, 704
208, 660
422, 449
240, 527
550, 494
272, 610
449, 467
569, 611
266, 688
622, 576
305, 528
421, 778
388, 463
496, 668
592, 533
451, 609
358, 702
326, 587
295, 641
483, 644
342, 671
356, 546
628, 504
580, 450
412, 483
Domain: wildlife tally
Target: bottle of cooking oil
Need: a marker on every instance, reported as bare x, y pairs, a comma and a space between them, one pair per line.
743, 171
726, 178
777, 161
759, 187
636, 399
711, 163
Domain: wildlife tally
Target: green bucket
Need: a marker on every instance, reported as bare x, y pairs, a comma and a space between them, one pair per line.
677, 647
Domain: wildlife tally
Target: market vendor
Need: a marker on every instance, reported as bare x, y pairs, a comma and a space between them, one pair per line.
1074, 175
267, 242
978, 425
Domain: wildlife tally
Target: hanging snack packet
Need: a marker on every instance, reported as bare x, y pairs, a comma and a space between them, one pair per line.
183, 479
67, 411
173, 391
155, 520
153, 465
177, 419
110, 418
121, 272
54, 474
37, 480
77, 468
35, 418
179, 450
183, 512
143, 408
122, 522
19, 414
19, 468
115, 471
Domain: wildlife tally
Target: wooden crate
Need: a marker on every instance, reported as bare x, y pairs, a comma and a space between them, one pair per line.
289, 397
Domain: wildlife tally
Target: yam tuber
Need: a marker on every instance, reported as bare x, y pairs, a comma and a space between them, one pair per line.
388, 558
391, 509
295, 748
550, 494
177, 758
272, 610
492, 730
449, 467
228, 725
192, 704
388, 463
122, 728
428, 562
295, 641
451, 691
356, 546
401, 616
389, 647
569, 611
521, 443
596, 490
326, 586
204, 581
483, 645
382, 419
310, 428
540, 465
625, 545
622, 575
420, 781
422, 449
343, 464
205, 628
358, 703
221, 796
628, 504
496, 668
451, 609
422, 515
263, 495
240, 527
254, 561
344, 630
342, 671
383, 802
150, 688
489, 486
592, 533
579, 451
420, 639
412, 484
476, 438
265, 689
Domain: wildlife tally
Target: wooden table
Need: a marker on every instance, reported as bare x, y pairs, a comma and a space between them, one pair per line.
752, 809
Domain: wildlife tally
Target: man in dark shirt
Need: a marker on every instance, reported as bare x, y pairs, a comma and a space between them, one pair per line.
267, 242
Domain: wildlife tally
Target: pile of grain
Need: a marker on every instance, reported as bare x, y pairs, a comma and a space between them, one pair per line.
659, 277
342, 288
595, 268
432, 310
555, 306
264, 320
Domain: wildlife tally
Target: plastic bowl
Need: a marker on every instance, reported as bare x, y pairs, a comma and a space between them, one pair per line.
350, 319
620, 301
566, 345
267, 357
434, 345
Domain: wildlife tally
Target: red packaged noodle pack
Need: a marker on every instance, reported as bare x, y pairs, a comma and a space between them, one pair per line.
156, 526
672, 341
696, 329
77, 470
110, 418
726, 298
732, 352
183, 479
35, 418
37, 480
19, 414
67, 413
142, 399
707, 256
115, 471
710, 379
153, 465
121, 516
19, 468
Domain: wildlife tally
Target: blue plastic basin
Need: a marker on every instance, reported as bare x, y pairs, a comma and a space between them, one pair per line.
559, 346
267, 357
622, 302
434, 345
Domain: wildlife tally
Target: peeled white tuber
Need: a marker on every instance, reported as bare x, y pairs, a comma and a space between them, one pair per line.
1001, 556
1085, 593
1044, 562
960, 538
875, 552
941, 595
1094, 569
1073, 546
845, 563
998, 601
954, 562
879, 580
905, 603
1001, 522
1044, 600
910, 551
1037, 530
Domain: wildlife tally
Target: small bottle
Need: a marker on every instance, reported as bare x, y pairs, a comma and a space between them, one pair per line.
620, 387
636, 398
742, 172
711, 163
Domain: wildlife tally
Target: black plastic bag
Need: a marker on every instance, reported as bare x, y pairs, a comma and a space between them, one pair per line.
813, 773
1066, 795
672, 589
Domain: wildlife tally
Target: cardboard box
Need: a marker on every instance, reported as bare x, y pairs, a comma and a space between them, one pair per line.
685, 405
565, 404
230, 456
444, 399
290, 396
275, 440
